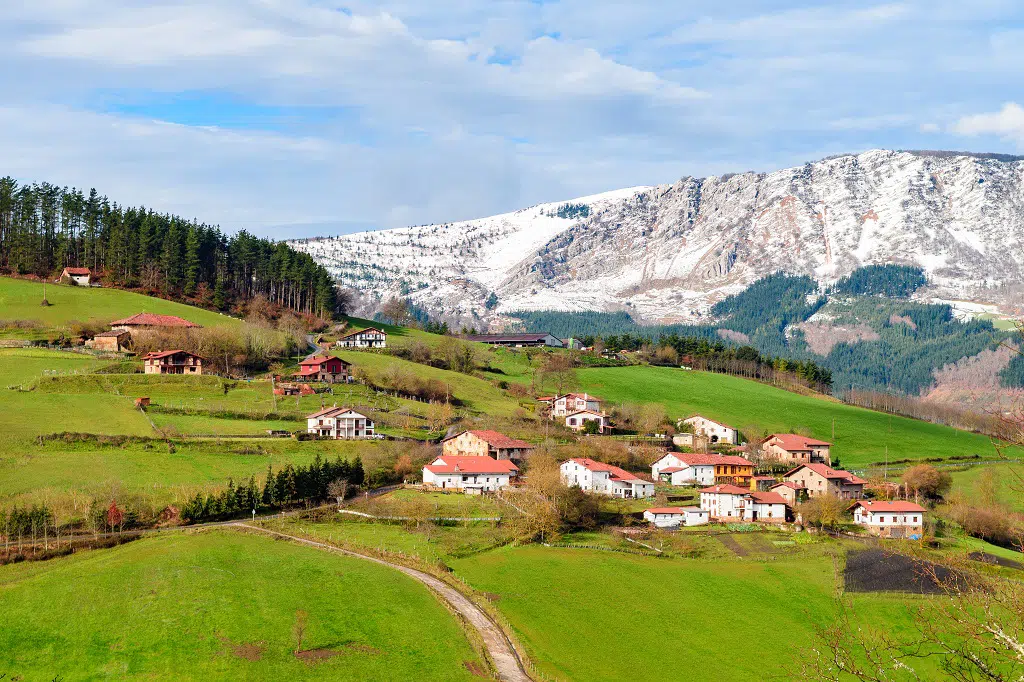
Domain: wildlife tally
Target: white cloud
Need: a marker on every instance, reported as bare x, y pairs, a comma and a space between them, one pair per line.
1007, 123
930, 128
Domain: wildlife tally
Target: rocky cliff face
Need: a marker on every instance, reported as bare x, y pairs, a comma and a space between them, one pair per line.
667, 253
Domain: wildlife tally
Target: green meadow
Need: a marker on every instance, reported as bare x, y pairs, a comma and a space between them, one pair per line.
223, 605
861, 436
20, 300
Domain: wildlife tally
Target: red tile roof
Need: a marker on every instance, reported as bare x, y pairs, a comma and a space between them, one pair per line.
767, 498
672, 470
726, 489
895, 507
156, 355
790, 484
829, 473
794, 443
498, 440
450, 464
153, 320
111, 334
78, 271
317, 360
616, 474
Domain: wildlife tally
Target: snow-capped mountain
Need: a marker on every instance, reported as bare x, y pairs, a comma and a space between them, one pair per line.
667, 253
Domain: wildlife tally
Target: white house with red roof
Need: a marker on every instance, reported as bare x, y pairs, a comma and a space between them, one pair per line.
342, 423
470, 474
79, 276
564, 405
673, 517
789, 447
733, 503
485, 443
371, 337
577, 421
897, 519
821, 479
714, 432
688, 468
598, 477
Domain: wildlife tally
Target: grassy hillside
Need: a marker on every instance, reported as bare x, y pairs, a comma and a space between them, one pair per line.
642, 618
861, 435
19, 300
223, 605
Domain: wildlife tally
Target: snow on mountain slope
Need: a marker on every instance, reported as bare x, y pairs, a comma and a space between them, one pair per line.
667, 253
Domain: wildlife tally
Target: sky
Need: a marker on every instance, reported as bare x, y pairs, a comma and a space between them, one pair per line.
294, 118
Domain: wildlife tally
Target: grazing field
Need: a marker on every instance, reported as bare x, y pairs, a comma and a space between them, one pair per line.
590, 615
861, 436
222, 604
1000, 483
22, 366
19, 300
164, 474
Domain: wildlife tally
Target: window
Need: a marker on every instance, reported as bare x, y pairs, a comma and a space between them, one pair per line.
915, 519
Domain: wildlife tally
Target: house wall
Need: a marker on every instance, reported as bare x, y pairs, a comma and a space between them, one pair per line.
767, 513
715, 432
457, 481
466, 444
668, 460
817, 484
889, 524
720, 506
703, 474
576, 422
576, 474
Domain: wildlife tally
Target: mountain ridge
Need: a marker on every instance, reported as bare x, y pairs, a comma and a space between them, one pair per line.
667, 253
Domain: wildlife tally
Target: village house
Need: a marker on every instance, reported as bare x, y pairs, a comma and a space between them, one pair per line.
172, 362
690, 468
714, 432
325, 368
470, 474
673, 517
820, 479
793, 493
564, 405
732, 503
371, 337
789, 447
577, 421
114, 341
483, 443
890, 519
517, 340
80, 276
341, 423
151, 322
598, 477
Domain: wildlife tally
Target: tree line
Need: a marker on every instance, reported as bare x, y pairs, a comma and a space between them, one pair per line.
45, 228
290, 486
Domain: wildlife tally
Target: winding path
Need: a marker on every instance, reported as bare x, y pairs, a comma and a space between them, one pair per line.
506, 662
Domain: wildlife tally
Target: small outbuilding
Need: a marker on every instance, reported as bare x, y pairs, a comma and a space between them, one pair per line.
897, 519
80, 276
673, 517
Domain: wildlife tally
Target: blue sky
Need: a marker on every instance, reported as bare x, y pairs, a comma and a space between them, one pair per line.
306, 117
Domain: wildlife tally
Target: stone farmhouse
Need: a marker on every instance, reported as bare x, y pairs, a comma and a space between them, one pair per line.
80, 276
732, 503
484, 443
821, 479
897, 519
173, 362
789, 447
325, 368
714, 432
341, 423
794, 493
471, 474
517, 340
114, 341
605, 479
673, 517
371, 337
680, 468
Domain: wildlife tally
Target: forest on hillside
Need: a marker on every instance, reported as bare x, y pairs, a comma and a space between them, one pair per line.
906, 341
44, 228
